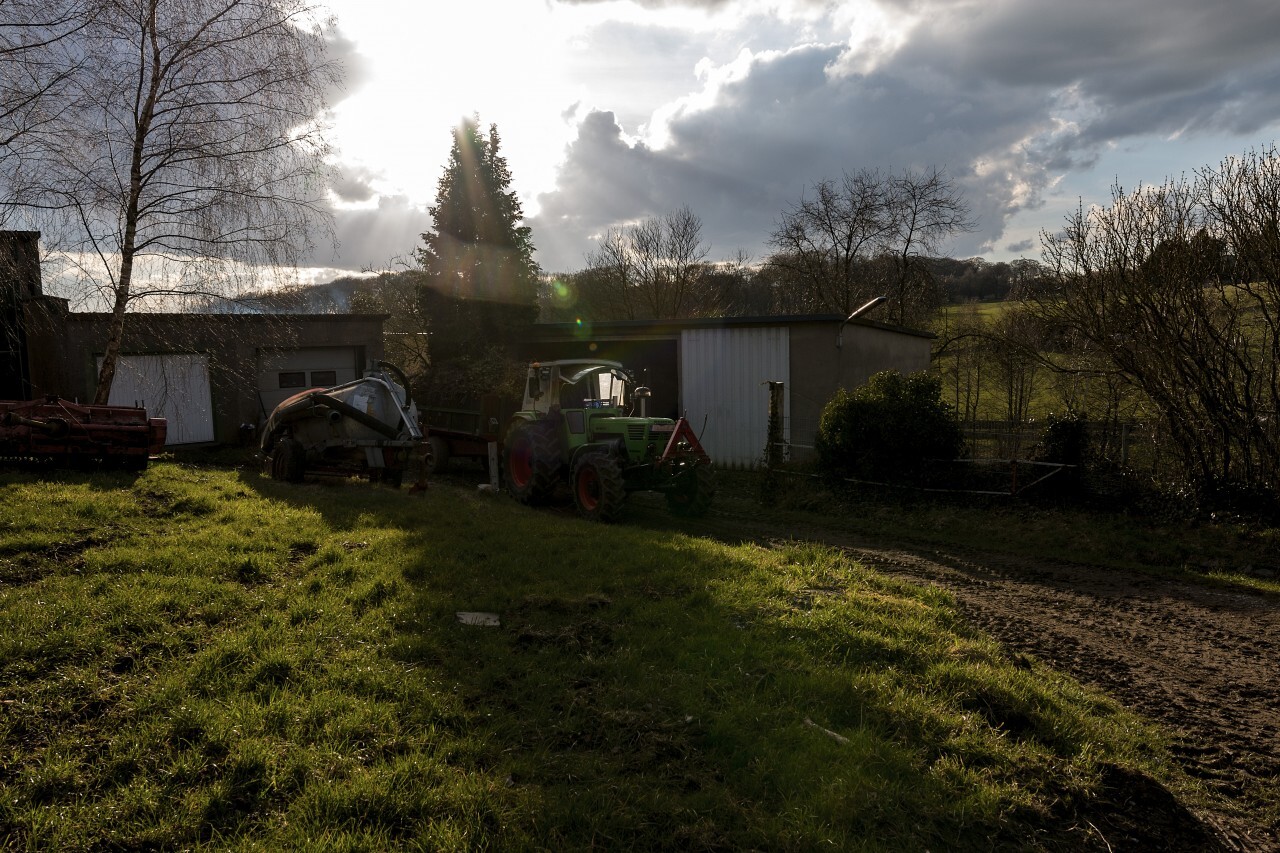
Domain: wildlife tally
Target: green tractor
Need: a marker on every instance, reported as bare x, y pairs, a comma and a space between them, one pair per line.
578, 425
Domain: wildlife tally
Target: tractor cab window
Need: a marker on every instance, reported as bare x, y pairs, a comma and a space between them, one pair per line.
594, 388
611, 387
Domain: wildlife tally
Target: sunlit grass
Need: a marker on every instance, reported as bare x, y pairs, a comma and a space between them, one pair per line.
203, 656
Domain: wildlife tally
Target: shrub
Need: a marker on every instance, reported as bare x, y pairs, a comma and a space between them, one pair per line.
887, 429
1065, 440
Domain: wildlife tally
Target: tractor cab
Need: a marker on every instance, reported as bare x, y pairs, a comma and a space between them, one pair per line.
576, 384
578, 424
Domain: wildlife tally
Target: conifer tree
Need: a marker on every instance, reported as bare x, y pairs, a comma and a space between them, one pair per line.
479, 290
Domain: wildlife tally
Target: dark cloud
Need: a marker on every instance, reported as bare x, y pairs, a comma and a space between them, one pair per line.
1020, 247
1007, 97
374, 238
773, 134
657, 4
353, 184
1145, 65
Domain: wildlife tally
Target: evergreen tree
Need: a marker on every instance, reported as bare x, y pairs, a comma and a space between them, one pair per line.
480, 283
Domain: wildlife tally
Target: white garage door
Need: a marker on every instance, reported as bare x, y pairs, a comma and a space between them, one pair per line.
723, 376
283, 373
174, 387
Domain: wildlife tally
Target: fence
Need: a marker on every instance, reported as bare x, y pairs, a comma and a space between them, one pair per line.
1000, 454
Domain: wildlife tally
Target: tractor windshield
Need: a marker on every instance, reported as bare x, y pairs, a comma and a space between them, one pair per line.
596, 387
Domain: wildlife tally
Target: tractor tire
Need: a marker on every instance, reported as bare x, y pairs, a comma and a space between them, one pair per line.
437, 455
531, 462
693, 497
598, 491
288, 461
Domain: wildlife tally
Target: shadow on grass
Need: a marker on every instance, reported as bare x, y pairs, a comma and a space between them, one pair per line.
650, 689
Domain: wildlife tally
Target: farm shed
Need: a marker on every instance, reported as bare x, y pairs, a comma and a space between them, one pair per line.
717, 370
208, 374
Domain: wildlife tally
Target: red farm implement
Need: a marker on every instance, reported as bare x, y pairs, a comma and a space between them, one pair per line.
65, 434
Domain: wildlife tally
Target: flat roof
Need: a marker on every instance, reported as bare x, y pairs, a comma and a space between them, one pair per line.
548, 330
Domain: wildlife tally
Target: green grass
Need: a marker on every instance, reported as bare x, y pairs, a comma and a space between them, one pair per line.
202, 656
1224, 553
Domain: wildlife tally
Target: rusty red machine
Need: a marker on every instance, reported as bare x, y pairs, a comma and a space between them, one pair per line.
65, 434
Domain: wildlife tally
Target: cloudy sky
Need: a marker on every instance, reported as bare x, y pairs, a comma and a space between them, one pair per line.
611, 111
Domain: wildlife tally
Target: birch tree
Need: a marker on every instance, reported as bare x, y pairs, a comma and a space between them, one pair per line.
185, 151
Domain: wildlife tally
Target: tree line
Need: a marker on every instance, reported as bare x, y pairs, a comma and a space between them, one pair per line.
842, 243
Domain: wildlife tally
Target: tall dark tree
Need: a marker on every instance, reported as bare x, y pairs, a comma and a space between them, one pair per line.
480, 282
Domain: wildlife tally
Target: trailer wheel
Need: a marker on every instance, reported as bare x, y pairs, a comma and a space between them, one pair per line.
437, 455
598, 491
289, 461
531, 462
692, 497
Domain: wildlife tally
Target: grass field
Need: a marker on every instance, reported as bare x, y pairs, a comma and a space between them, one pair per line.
203, 656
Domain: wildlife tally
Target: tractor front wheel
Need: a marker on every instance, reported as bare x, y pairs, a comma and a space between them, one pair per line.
597, 487
531, 461
693, 496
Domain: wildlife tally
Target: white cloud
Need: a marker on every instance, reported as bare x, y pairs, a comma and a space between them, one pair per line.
1015, 99
613, 111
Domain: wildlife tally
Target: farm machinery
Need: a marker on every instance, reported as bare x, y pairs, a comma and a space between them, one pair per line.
60, 432
578, 424
367, 427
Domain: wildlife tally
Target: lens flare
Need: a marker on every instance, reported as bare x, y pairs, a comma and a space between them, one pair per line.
563, 294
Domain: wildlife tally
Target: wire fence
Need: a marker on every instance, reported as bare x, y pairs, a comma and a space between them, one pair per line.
1005, 458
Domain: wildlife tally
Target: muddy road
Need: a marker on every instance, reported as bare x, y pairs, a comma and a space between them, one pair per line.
1198, 659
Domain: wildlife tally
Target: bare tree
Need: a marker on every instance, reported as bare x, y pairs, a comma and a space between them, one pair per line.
37, 60
822, 241
653, 269
1177, 287
405, 334
187, 149
926, 209
868, 236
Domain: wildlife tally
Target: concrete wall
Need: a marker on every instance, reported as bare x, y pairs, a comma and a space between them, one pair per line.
68, 345
19, 283
819, 367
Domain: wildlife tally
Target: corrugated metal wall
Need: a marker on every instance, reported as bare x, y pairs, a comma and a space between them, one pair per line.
722, 384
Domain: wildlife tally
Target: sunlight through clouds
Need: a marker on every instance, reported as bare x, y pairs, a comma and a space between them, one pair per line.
614, 111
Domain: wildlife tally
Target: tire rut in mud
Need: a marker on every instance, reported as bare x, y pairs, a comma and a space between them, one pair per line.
1198, 659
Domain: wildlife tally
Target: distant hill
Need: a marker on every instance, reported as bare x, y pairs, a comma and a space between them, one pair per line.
330, 298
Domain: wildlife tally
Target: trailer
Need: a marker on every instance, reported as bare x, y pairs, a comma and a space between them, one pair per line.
465, 431
368, 428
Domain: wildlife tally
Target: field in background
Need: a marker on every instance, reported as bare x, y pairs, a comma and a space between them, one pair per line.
202, 655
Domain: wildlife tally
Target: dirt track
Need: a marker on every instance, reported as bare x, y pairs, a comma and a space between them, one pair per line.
1198, 659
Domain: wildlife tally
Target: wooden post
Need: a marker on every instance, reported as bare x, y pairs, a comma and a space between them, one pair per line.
773, 450
773, 444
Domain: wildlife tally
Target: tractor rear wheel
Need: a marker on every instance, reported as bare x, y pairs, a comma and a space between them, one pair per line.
598, 491
289, 461
693, 496
532, 460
